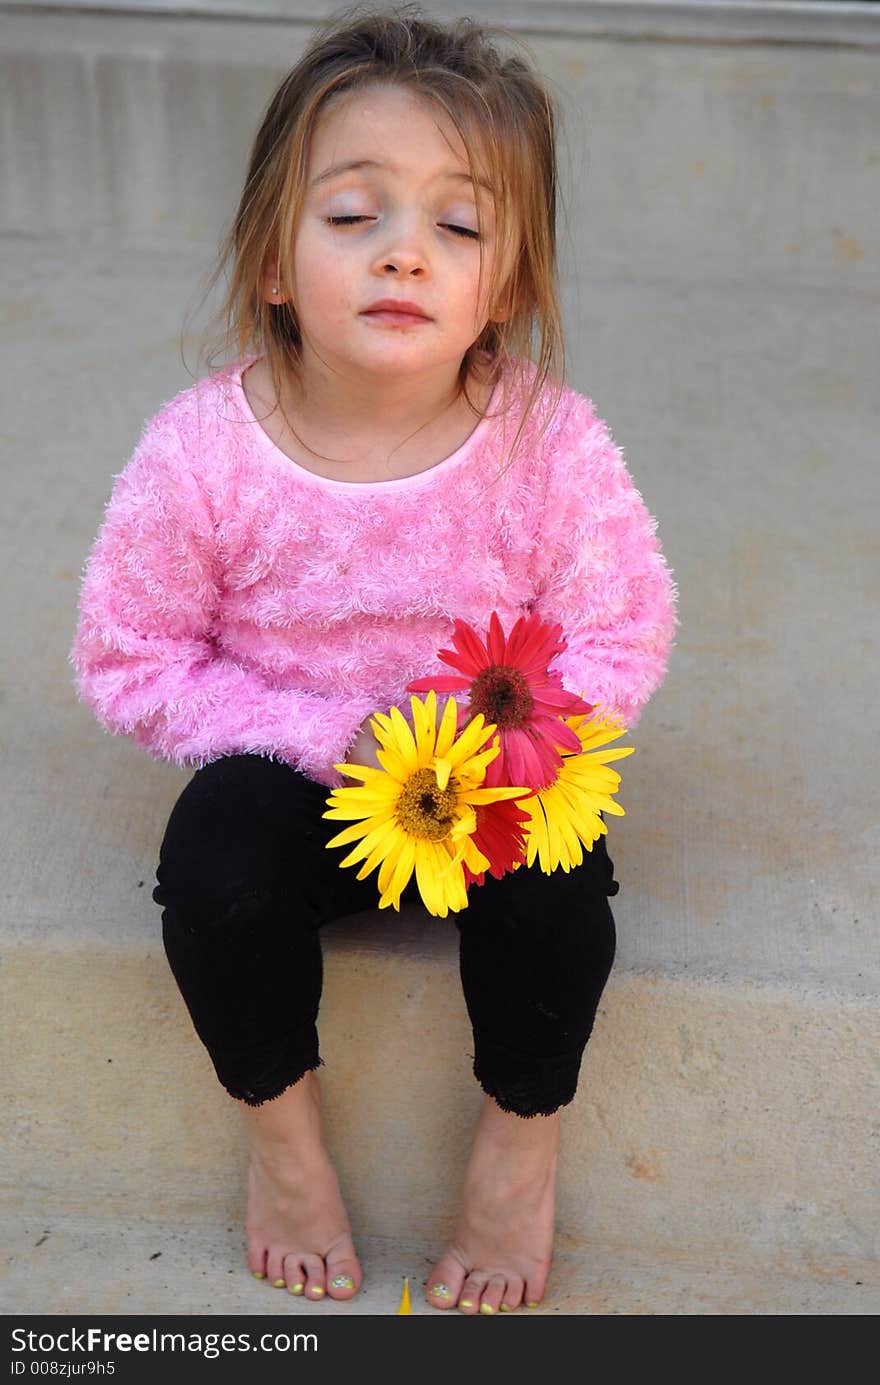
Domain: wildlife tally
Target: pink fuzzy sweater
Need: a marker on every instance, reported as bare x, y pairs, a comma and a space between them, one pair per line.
235, 602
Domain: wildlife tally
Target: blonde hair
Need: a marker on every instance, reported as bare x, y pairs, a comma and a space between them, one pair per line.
498, 104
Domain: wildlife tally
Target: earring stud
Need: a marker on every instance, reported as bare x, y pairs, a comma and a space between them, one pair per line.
275, 289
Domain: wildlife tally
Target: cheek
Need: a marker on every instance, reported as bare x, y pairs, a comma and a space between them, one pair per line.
322, 274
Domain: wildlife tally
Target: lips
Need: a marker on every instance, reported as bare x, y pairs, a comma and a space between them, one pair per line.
399, 306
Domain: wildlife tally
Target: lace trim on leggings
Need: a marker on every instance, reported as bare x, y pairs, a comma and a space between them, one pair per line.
526, 1086
255, 1078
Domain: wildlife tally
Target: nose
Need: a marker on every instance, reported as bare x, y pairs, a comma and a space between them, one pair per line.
406, 254
397, 266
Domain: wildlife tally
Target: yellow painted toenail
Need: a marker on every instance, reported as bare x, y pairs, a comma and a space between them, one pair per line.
486, 1308
258, 1274
467, 1303
279, 1284
296, 1288
505, 1308
441, 1290
342, 1281
318, 1290
531, 1305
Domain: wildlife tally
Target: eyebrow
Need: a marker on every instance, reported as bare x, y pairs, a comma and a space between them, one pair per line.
352, 164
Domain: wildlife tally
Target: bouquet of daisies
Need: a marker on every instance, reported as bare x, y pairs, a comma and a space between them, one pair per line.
516, 772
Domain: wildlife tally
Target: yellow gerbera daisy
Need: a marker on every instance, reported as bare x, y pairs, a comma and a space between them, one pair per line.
417, 812
565, 816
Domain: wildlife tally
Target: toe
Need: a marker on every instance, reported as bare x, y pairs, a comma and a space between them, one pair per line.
513, 1294
493, 1292
316, 1277
275, 1265
294, 1274
343, 1275
440, 1293
534, 1290
257, 1259
469, 1299
444, 1283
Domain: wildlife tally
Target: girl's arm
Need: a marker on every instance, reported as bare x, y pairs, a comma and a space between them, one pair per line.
145, 660
600, 571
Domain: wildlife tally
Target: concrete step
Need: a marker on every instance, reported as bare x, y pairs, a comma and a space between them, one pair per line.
729, 1120
95, 1264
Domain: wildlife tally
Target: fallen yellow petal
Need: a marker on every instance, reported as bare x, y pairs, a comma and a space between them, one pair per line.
405, 1305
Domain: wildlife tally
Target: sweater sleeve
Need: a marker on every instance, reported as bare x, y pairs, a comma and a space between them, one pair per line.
601, 573
146, 659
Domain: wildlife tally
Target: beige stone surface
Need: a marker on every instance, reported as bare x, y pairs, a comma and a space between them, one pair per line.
730, 1120
121, 1265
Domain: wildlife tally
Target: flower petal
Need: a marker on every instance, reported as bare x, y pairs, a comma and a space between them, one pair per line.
438, 683
495, 644
404, 740
403, 867
358, 830
426, 878
481, 796
364, 808
424, 721
379, 837
448, 727
469, 654
470, 740
363, 772
442, 769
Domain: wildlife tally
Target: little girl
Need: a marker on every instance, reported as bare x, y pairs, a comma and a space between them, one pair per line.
290, 545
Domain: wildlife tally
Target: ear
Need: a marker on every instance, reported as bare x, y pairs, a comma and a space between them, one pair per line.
272, 290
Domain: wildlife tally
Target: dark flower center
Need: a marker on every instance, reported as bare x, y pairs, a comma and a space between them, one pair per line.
426, 810
502, 694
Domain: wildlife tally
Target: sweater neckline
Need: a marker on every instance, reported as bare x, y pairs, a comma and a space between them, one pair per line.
420, 478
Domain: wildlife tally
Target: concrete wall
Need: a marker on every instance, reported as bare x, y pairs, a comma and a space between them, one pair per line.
768, 20
721, 244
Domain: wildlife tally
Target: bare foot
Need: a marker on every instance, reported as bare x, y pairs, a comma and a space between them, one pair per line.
503, 1245
298, 1231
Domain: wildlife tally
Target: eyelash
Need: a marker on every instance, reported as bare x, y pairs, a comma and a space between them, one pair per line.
464, 231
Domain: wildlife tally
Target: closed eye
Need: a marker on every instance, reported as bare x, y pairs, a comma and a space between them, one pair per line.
351, 221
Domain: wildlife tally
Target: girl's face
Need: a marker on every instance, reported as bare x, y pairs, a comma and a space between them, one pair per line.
403, 228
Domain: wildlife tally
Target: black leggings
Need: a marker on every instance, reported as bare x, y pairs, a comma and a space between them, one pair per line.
246, 882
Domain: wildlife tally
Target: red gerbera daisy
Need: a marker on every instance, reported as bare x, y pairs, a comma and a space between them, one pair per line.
500, 835
509, 681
